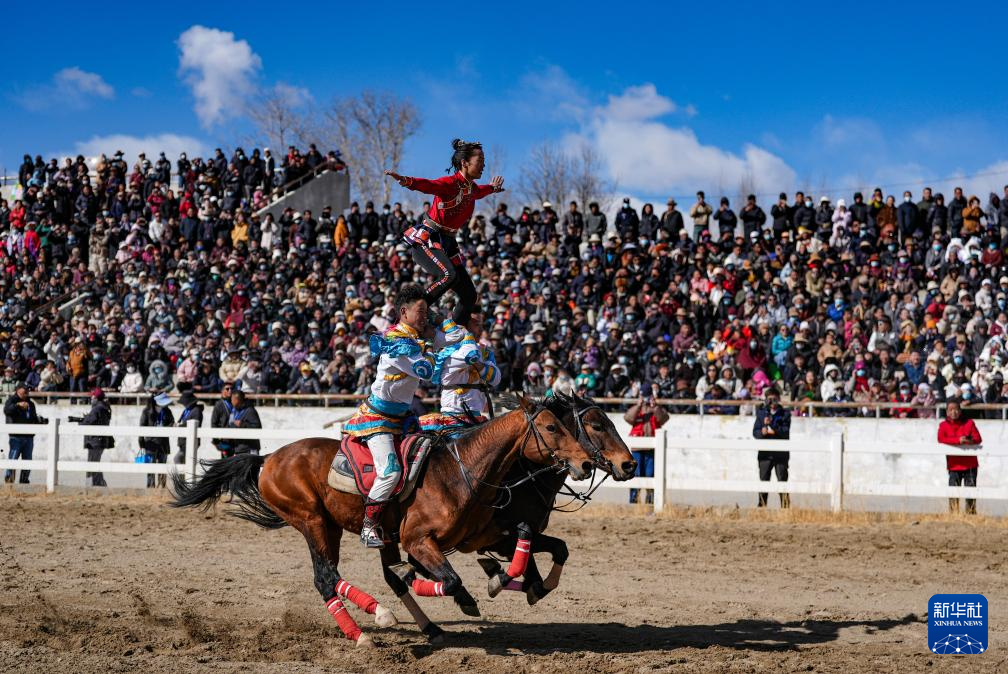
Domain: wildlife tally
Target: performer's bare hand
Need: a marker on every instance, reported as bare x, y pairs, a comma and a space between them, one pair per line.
498, 183
398, 178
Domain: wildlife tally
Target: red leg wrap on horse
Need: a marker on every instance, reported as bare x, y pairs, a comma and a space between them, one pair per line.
520, 559
360, 598
428, 588
343, 618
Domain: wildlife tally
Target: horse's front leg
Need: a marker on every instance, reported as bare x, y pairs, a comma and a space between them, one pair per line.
427, 552
557, 549
391, 559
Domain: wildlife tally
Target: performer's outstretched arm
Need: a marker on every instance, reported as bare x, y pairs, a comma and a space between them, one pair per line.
442, 187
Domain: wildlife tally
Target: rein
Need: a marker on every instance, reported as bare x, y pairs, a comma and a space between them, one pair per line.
557, 464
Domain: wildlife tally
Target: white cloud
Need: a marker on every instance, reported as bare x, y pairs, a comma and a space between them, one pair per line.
220, 70
552, 90
70, 88
647, 156
169, 143
294, 95
636, 103
847, 132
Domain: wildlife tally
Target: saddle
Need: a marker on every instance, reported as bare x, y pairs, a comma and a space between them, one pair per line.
352, 470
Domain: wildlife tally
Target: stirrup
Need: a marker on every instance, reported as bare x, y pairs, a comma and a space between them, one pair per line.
371, 536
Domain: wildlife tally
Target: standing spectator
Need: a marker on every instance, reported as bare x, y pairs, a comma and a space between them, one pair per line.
962, 433
192, 410
100, 414
672, 221
595, 222
156, 413
700, 212
752, 217
243, 415
726, 218
219, 419
645, 417
19, 409
773, 422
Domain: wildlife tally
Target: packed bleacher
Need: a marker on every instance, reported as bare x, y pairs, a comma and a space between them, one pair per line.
827, 299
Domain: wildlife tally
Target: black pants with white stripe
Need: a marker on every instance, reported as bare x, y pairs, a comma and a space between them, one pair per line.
447, 267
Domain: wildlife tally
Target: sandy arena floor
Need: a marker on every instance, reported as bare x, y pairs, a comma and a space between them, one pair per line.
122, 583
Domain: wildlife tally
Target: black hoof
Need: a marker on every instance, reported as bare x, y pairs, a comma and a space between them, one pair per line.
535, 592
404, 571
434, 634
471, 610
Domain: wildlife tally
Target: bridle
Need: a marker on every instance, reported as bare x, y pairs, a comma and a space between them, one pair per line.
531, 431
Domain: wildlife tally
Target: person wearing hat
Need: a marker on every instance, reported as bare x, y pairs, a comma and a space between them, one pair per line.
100, 414
433, 242
20, 409
243, 415
192, 410
156, 413
627, 222
672, 221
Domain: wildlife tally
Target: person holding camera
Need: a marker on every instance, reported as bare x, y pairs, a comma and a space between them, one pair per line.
773, 422
645, 418
20, 410
100, 414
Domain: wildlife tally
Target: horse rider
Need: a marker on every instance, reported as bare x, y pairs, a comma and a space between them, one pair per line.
404, 360
466, 372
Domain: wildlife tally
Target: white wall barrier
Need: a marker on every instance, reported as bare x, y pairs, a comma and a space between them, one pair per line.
673, 468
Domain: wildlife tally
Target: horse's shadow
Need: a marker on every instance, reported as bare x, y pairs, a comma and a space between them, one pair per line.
756, 635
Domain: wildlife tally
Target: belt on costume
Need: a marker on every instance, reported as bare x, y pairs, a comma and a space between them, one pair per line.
384, 414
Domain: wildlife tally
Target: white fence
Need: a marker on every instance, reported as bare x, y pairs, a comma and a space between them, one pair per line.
839, 483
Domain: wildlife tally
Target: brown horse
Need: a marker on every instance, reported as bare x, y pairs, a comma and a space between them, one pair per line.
532, 495
450, 508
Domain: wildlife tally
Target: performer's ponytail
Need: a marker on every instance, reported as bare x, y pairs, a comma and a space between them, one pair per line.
462, 150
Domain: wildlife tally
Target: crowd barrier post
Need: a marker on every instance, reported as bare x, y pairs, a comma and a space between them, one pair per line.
836, 472
192, 448
661, 445
52, 460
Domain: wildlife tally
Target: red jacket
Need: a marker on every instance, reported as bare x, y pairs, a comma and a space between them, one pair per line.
454, 198
949, 433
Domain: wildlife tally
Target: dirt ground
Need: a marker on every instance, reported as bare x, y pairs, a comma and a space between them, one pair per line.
123, 583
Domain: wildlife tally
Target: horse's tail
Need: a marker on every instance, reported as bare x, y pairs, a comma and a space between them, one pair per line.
239, 475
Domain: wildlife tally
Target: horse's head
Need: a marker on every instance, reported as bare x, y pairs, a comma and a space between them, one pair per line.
550, 441
597, 434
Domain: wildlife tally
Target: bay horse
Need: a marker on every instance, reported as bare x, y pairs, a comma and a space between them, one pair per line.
532, 496
450, 508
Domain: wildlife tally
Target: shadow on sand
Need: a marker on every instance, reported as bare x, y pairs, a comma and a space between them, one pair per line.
756, 635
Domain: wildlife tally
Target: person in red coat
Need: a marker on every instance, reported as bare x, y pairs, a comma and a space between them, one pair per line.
433, 238
958, 431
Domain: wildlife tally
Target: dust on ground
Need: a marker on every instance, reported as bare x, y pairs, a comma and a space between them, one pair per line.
124, 584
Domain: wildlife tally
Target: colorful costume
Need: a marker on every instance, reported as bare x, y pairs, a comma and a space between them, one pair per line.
433, 239
403, 361
465, 370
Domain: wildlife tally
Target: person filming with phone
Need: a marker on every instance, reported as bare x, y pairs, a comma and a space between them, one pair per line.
773, 422
645, 417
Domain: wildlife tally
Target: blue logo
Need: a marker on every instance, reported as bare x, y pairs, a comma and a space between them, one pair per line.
957, 624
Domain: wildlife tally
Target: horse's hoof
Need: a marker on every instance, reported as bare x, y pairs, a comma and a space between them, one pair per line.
496, 584
405, 571
384, 617
434, 634
364, 641
532, 595
471, 610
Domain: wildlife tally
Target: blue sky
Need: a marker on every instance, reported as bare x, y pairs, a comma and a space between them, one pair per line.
674, 98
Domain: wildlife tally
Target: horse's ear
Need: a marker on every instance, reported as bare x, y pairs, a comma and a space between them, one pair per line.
525, 403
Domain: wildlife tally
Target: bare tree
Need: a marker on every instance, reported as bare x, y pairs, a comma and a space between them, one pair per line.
496, 158
371, 131
279, 120
589, 182
546, 176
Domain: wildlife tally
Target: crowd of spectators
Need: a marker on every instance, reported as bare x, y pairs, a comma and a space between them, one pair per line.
865, 301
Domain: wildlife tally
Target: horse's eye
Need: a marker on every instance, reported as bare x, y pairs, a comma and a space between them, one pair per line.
596, 427
551, 428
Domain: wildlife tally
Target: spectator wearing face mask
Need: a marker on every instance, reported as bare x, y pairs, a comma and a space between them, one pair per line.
773, 422
132, 381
